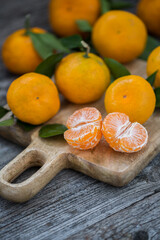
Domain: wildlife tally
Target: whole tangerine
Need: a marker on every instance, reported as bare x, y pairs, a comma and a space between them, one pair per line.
149, 11
64, 13
119, 35
18, 53
82, 79
33, 98
131, 95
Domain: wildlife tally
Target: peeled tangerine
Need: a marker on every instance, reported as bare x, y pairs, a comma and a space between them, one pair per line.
84, 128
122, 135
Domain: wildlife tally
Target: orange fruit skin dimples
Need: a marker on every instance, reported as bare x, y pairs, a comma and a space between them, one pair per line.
84, 128
18, 53
131, 95
33, 98
148, 11
119, 35
153, 64
64, 13
122, 135
82, 79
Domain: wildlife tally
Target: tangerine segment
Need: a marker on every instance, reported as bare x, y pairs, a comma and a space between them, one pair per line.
84, 128
134, 139
83, 116
113, 125
122, 135
85, 136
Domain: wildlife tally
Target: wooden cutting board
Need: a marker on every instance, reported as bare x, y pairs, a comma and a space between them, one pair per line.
54, 154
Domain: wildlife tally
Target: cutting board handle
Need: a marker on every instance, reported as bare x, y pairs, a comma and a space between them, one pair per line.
21, 192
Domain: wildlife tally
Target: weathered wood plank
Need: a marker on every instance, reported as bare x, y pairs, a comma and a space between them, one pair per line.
72, 195
140, 216
84, 201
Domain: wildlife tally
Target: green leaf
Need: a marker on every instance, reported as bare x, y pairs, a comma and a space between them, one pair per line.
152, 43
121, 4
53, 42
105, 6
3, 111
48, 66
42, 49
157, 93
112, 78
117, 69
46, 43
51, 130
151, 78
73, 41
84, 25
26, 126
8, 122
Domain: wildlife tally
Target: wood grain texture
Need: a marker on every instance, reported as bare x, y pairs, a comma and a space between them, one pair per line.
76, 202
59, 207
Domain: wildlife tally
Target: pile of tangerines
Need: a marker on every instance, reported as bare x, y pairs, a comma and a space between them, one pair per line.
83, 77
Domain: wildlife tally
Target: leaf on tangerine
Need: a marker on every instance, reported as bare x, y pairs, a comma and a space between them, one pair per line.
51, 130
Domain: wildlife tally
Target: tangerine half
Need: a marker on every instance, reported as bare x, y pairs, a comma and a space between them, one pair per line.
84, 128
122, 135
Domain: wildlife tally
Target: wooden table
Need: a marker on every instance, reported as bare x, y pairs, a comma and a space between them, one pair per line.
74, 206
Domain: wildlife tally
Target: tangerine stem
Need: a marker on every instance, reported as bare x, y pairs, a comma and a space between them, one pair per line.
85, 45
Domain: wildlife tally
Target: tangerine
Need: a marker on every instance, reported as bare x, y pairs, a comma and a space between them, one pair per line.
119, 35
33, 98
84, 128
149, 11
153, 64
82, 79
131, 95
64, 13
18, 53
122, 135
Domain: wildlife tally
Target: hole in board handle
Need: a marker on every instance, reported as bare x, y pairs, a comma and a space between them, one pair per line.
26, 174
22, 165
